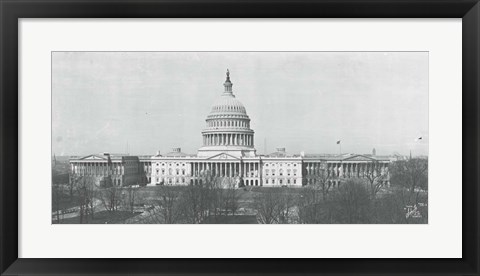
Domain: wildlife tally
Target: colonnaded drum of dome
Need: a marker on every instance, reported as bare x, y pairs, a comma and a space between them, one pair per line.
228, 180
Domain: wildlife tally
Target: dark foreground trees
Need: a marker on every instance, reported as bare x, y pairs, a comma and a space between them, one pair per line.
369, 201
195, 203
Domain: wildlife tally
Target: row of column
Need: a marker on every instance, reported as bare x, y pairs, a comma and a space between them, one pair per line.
97, 169
232, 123
227, 169
226, 139
313, 168
356, 169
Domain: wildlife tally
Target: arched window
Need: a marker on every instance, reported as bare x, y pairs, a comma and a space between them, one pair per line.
295, 172
273, 172
178, 171
281, 172
170, 171
288, 172
266, 172
183, 171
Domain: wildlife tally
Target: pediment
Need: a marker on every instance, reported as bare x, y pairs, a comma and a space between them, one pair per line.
93, 157
360, 158
223, 156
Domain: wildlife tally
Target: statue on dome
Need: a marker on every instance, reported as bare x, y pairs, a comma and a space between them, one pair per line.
228, 74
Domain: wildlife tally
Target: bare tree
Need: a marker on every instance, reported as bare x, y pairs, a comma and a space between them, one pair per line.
214, 196
84, 187
323, 182
111, 198
352, 203
267, 205
375, 177
287, 205
274, 206
57, 195
130, 196
166, 204
230, 197
411, 174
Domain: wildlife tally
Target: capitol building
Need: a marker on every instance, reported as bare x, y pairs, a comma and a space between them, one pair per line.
227, 154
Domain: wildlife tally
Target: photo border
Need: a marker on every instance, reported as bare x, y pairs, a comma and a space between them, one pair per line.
12, 11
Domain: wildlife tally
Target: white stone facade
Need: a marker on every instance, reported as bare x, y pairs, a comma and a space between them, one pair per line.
228, 152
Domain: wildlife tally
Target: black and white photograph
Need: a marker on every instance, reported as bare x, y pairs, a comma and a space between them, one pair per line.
239, 137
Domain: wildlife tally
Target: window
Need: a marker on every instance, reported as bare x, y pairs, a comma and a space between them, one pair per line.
281, 172
288, 181
266, 172
183, 172
273, 172
295, 172
288, 172
273, 181
178, 171
294, 181
170, 171
163, 171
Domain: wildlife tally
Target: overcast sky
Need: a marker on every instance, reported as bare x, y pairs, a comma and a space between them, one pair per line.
303, 101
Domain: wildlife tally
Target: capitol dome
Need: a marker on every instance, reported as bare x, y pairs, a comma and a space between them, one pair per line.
228, 104
228, 126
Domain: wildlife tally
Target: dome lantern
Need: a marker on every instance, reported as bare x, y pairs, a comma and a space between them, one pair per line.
228, 84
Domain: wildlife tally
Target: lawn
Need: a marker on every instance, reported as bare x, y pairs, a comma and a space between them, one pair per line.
102, 217
244, 219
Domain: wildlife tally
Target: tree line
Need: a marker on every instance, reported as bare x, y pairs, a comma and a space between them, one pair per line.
355, 200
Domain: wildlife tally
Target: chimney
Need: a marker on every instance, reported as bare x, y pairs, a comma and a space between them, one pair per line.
176, 149
281, 149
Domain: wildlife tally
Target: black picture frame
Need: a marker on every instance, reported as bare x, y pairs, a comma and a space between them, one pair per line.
12, 10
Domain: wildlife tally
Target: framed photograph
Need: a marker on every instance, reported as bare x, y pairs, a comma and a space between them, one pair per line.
239, 137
